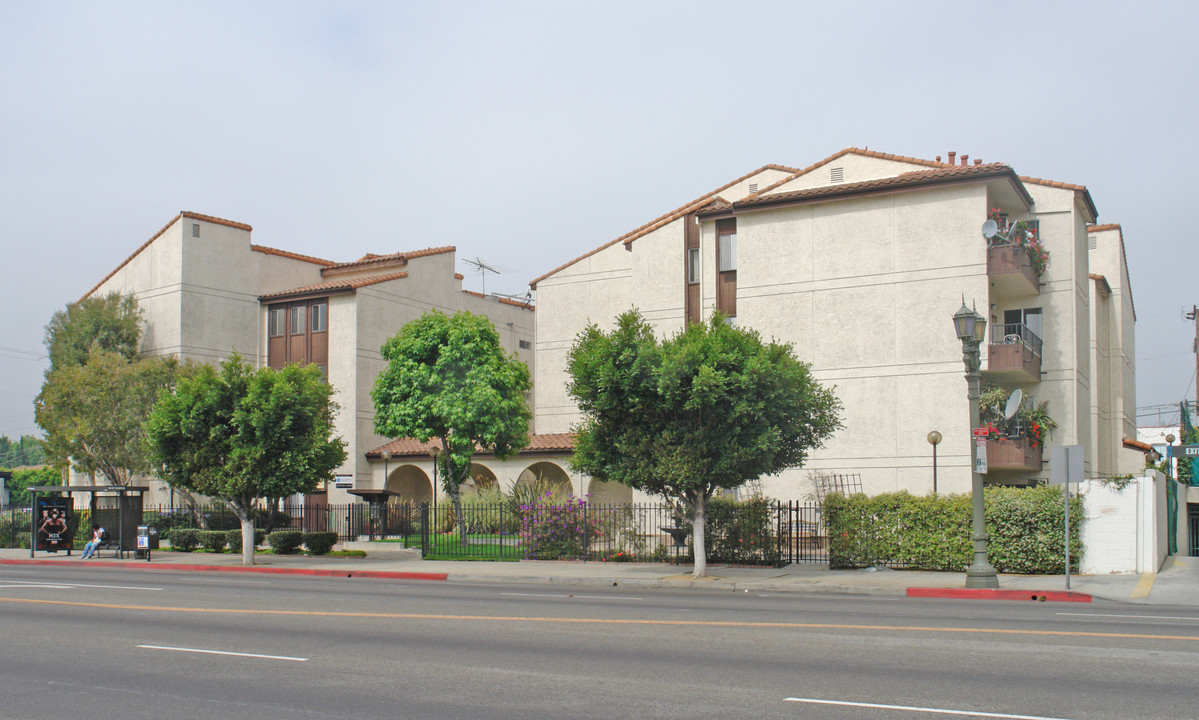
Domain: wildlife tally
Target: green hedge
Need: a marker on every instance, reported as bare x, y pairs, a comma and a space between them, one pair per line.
233, 539
184, 539
285, 542
1024, 526
212, 540
320, 543
740, 532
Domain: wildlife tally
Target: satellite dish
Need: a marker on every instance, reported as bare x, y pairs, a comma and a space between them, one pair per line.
990, 229
1013, 404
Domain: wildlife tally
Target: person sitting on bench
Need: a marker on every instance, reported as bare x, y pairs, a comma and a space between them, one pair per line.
98, 533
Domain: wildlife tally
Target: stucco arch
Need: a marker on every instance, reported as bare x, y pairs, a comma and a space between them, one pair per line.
481, 477
548, 472
411, 483
609, 493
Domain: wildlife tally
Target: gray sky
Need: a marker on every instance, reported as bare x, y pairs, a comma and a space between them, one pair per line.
528, 133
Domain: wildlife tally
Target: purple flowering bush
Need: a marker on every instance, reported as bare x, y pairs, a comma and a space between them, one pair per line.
552, 530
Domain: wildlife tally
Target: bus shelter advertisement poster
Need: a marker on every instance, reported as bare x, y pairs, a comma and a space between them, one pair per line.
54, 523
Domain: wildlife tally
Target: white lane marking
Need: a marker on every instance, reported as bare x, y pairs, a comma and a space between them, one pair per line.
222, 652
577, 597
35, 583
1146, 617
39, 586
941, 711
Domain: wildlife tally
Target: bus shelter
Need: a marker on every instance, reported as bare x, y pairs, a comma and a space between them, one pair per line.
116, 508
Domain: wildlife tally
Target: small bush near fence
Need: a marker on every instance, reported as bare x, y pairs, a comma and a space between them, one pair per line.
285, 542
184, 539
233, 539
14, 528
550, 531
320, 543
741, 532
1024, 527
212, 540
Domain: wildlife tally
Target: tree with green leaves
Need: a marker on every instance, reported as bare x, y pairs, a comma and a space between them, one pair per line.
240, 434
111, 322
447, 378
711, 408
98, 392
94, 414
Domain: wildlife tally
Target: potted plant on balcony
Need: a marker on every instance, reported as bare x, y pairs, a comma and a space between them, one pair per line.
1019, 441
1020, 234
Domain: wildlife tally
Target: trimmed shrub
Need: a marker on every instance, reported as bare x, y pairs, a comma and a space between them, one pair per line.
740, 532
213, 540
1024, 526
320, 543
285, 542
270, 520
185, 539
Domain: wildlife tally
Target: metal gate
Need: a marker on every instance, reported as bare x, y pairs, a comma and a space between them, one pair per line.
1193, 529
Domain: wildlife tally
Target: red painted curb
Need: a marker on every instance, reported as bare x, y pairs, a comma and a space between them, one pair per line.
319, 572
996, 594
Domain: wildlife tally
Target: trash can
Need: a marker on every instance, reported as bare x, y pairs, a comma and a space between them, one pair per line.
147, 540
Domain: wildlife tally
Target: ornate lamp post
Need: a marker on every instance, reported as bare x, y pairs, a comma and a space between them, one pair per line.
971, 329
934, 439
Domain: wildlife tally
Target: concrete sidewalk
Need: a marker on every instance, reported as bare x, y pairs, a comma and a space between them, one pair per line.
1176, 584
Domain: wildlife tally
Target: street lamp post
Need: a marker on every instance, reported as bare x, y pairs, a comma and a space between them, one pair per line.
934, 439
971, 329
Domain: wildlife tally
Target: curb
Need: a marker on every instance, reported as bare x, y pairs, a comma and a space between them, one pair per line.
995, 594
318, 572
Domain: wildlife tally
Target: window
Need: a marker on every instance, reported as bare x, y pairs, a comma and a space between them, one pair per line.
693, 267
297, 320
525, 345
320, 317
728, 252
276, 317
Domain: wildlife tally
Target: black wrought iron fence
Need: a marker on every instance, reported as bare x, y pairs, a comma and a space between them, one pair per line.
762, 532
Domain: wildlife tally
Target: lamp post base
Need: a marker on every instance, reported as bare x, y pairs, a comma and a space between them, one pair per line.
981, 577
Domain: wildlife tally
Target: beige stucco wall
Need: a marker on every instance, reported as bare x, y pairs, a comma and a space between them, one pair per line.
864, 289
855, 168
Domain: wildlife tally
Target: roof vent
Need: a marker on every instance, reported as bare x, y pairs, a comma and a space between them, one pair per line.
195, 229
837, 175
753, 187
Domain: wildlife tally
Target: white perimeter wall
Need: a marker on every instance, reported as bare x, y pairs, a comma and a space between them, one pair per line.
1125, 531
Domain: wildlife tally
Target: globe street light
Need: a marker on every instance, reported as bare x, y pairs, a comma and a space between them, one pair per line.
971, 329
934, 439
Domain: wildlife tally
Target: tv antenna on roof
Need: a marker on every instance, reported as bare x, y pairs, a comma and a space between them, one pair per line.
483, 268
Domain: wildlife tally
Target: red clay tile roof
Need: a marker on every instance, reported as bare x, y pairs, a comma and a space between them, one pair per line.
1103, 283
1137, 445
284, 253
370, 260
538, 443
155, 236
910, 180
333, 287
669, 217
1103, 228
506, 301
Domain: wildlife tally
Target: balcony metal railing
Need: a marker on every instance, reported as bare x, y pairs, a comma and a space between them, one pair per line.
1008, 333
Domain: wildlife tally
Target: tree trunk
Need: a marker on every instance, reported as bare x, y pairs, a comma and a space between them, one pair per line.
698, 546
247, 531
456, 496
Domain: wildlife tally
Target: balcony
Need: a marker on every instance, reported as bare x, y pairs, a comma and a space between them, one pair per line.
1013, 454
1010, 270
1014, 354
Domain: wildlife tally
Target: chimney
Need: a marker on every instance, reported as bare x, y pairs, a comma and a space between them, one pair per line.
953, 154
938, 158
978, 161
965, 157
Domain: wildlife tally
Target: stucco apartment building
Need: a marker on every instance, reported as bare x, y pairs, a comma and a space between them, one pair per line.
207, 291
859, 261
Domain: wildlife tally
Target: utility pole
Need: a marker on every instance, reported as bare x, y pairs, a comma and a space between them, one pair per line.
1194, 313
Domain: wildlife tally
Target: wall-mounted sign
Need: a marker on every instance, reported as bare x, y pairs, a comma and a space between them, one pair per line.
346, 482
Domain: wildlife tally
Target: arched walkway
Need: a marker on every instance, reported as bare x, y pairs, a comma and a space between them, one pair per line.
481, 478
609, 493
546, 474
411, 483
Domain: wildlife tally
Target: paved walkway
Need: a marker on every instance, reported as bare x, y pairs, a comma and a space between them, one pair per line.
1176, 584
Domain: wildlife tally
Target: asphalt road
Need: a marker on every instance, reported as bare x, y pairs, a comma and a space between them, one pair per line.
105, 643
